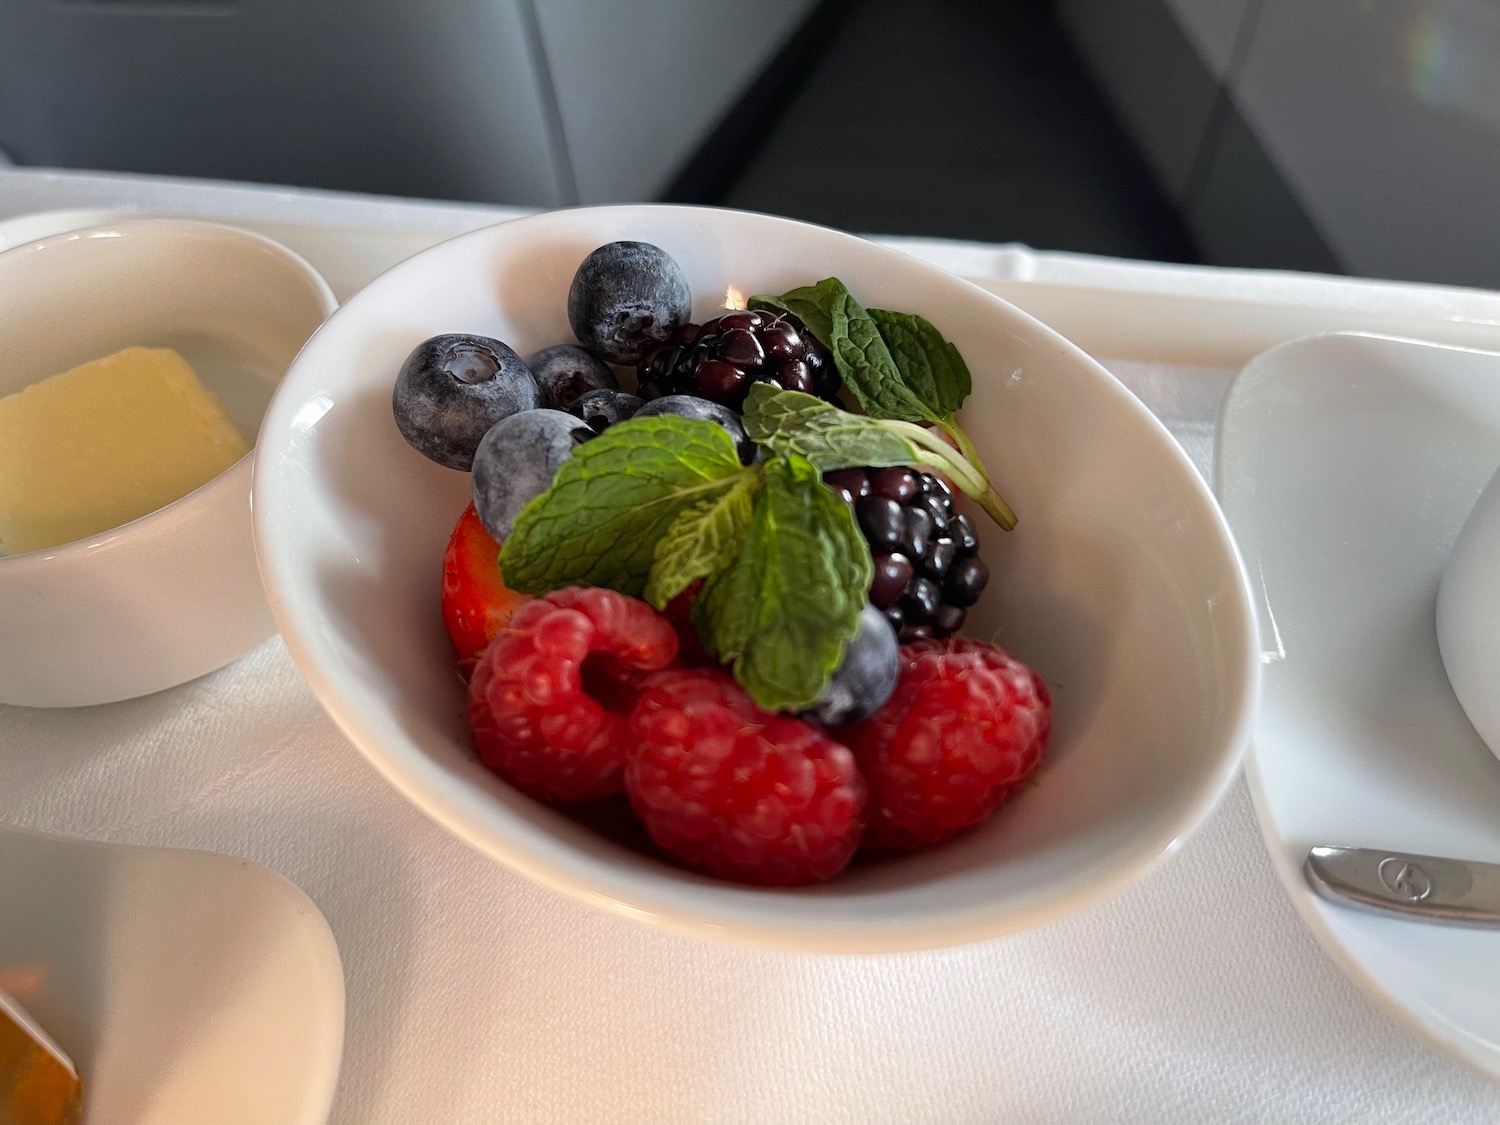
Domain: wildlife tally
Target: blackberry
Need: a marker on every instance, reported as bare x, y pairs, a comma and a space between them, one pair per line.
927, 565
719, 359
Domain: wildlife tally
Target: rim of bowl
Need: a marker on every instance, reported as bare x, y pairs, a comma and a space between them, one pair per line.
219, 480
732, 916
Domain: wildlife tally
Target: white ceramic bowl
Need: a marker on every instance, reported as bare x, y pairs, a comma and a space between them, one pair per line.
174, 594
185, 986
1468, 616
1121, 585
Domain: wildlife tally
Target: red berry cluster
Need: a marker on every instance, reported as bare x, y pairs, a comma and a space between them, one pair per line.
582, 695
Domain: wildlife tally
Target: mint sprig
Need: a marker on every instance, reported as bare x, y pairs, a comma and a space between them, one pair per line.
703, 540
829, 311
657, 503
781, 615
899, 368
930, 365
610, 503
790, 422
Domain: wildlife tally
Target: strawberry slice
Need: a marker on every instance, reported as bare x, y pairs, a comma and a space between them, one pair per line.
476, 602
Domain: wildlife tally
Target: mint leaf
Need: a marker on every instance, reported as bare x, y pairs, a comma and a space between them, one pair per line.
788, 422
806, 304
930, 365
783, 612
842, 325
899, 368
703, 540
599, 522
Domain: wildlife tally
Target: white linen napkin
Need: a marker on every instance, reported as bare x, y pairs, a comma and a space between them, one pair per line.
474, 996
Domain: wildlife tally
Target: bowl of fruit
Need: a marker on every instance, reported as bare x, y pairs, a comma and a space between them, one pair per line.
753, 579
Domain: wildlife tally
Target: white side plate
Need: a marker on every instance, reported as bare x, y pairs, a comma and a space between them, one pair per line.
186, 987
1346, 466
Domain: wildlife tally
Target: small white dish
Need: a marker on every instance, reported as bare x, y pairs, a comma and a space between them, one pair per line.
1468, 616
37, 225
1347, 464
1122, 586
185, 986
175, 594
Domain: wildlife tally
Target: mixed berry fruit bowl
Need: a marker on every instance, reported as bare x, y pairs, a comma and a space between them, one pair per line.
1121, 586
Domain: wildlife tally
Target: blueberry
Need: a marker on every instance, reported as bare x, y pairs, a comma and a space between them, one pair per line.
567, 372
516, 461
452, 389
865, 677
702, 410
625, 297
601, 409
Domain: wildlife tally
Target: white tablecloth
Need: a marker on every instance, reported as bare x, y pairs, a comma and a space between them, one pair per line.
475, 997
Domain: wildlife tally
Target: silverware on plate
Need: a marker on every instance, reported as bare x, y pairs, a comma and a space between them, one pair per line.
1459, 891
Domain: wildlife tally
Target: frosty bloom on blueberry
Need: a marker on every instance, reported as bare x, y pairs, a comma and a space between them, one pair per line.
717, 592
452, 389
601, 409
865, 677
566, 372
625, 297
516, 461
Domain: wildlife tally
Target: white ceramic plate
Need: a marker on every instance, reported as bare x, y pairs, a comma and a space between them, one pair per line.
1122, 586
186, 986
1347, 464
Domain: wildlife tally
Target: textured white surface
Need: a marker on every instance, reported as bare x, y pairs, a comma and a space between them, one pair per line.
185, 986
1350, 463
473, 997
1125, 545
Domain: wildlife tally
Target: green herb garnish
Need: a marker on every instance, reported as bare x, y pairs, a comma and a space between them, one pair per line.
656, 503
790, 422
782, 613
899, 368
609, 505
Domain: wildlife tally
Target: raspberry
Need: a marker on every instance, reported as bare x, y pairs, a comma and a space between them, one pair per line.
966, 725
679, 611
737, 791
550, 699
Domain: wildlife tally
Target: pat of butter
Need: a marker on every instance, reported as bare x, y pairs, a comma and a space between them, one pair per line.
38, 1085
106, 443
